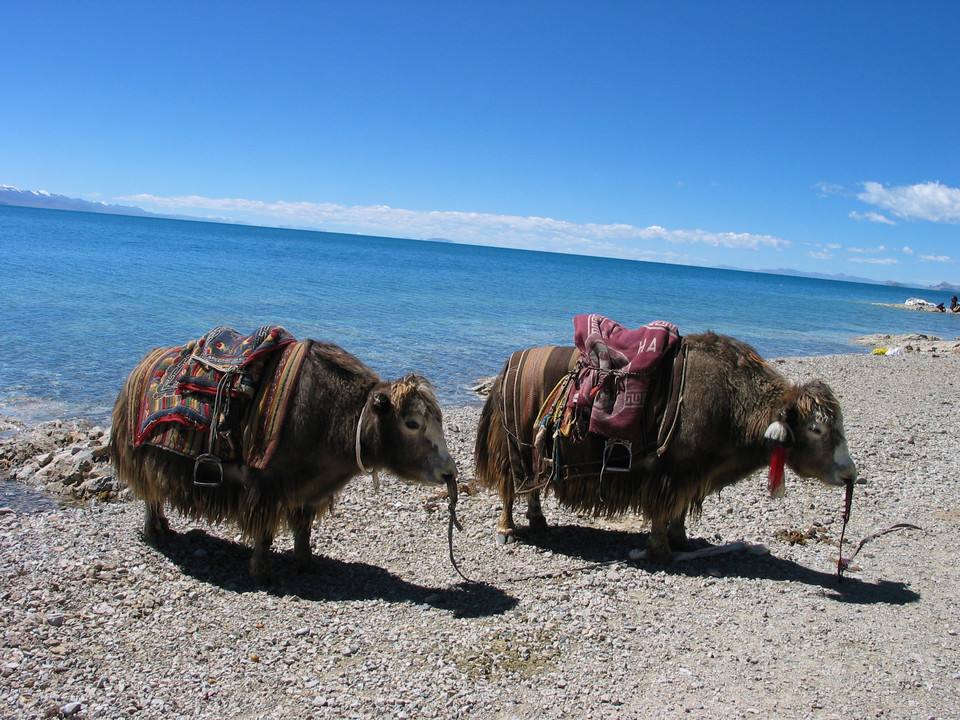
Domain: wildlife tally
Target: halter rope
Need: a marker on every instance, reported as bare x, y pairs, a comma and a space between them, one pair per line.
363, 469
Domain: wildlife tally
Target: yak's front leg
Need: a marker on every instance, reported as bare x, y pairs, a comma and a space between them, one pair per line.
260, 560
301, 523
155, 525
505, 526
677, 532
658, 546
538, 523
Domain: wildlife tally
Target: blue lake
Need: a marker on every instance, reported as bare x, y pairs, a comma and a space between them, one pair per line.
85, 295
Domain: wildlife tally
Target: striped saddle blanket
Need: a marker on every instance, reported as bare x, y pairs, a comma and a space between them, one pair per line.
236, 386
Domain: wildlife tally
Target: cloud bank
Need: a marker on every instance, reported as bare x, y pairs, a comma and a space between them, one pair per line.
528, 232
929, 201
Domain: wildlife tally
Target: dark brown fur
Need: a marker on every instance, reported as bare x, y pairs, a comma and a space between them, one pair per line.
731, 397
313, 461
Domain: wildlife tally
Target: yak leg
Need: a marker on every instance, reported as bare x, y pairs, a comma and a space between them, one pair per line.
301, 522
505, 526
259, 561
538, 523
677, 532
658, 546
155, 525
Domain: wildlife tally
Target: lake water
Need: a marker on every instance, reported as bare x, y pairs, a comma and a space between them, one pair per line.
85, 295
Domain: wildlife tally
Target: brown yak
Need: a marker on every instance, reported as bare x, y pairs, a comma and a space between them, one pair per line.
732, 399
342, 420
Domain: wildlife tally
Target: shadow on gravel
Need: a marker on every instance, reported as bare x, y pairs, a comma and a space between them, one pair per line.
598, 545
223, 563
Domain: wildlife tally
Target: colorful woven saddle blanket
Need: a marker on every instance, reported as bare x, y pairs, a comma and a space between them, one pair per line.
617, 372
238, 386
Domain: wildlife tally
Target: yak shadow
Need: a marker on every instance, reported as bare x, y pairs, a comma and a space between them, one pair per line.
597, 545
223, 563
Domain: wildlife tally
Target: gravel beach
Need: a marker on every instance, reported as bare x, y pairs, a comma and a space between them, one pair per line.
97, 624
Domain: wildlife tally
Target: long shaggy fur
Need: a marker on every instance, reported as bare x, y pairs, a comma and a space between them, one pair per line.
731, 397
313, 461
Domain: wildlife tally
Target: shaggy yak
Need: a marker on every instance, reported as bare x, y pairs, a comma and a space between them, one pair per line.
342, 420
733, 403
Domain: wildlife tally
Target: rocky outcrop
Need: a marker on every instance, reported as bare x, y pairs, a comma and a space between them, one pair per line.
66, 459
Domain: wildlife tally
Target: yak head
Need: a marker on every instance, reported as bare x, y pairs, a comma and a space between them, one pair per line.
811, 428
410, 431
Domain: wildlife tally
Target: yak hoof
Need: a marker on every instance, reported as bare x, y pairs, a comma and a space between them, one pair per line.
156, 533
658, 554
538, 524
260, 571
505, 537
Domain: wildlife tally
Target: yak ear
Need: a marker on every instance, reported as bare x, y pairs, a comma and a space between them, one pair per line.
381, 403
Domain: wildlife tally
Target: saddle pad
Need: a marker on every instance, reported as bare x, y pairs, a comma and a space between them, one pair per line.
175, 391
180, 387
617, 366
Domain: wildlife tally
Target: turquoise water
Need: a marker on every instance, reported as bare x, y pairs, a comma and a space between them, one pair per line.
85, 295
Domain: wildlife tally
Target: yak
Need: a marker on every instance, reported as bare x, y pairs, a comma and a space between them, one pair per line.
342, 420
733, 403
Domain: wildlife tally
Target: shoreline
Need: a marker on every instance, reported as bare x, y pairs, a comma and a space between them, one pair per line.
381, 627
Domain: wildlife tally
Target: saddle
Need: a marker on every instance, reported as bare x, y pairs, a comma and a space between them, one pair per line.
220, 398
612, 400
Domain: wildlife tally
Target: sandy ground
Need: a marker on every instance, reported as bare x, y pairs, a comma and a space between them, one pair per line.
97, 624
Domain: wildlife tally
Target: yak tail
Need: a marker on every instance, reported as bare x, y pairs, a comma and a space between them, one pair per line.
491, 454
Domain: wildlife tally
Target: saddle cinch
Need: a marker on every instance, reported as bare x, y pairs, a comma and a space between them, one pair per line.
616, 402
221, 398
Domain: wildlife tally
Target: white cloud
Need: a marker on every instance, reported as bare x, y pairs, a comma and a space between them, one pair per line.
907, 250
825, 189
530, 232
871, 217
868, 250
875, 261
936, 258
820, 254
923, 201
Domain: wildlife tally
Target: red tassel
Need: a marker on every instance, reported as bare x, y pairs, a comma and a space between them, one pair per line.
775, 479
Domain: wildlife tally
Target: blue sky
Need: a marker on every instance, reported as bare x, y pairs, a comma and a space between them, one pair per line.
813, 136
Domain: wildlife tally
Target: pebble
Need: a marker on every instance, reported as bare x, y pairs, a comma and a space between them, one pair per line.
70, 708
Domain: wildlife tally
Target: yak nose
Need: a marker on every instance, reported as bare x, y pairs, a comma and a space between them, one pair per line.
450, 472
848, 473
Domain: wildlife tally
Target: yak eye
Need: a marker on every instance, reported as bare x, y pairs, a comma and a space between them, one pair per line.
816, 430
412, 424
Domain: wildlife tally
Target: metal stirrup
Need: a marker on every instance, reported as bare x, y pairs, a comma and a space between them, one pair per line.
207, 459
617, 456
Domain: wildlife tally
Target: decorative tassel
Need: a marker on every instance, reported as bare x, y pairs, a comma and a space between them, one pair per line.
775, 484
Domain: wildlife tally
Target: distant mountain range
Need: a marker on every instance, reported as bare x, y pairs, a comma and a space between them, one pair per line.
10, 195
853, 278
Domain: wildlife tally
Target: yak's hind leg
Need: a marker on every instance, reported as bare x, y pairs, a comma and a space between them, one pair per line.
260, 560
658, 546
505, 526
156, 529
538, 523
301, 523
677, 532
